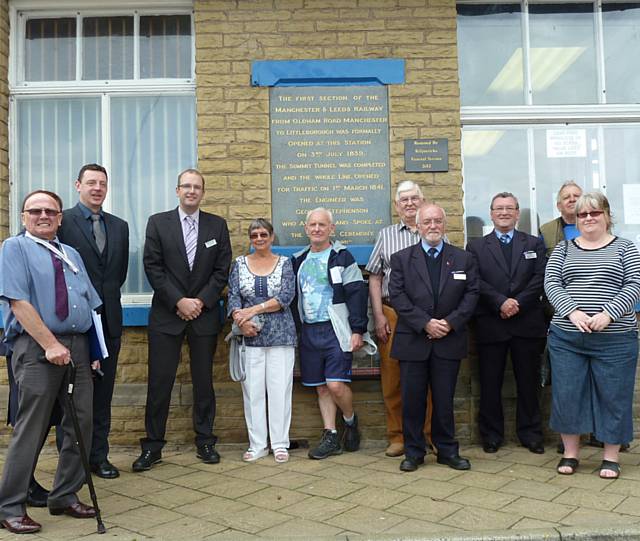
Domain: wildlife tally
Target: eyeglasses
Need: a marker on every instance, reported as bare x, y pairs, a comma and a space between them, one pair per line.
412, 199
505, 209
37, 212
592, 213
189, 187
260, 235
436, 221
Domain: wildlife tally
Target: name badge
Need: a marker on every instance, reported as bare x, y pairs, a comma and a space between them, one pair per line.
210, 243
459, 276
530, 255
336, 275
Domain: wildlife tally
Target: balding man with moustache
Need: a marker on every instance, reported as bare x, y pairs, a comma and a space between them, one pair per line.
434, 288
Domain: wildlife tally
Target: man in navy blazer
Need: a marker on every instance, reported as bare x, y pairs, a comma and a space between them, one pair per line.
187, 254
106, 257
434, 289
509, 319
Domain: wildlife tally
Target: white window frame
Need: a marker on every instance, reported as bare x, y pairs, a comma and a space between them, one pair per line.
492, 117
102, 89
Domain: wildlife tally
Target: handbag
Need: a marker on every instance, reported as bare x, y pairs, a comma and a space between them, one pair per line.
237, 356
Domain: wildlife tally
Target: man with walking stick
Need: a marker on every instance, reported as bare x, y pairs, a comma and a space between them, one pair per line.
50, 301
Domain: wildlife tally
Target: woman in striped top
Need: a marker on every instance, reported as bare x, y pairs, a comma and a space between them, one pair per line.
593, 283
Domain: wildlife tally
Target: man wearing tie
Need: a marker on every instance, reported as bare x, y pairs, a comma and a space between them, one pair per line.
50, 300
509, 319
434, 289
102, 240
187, 253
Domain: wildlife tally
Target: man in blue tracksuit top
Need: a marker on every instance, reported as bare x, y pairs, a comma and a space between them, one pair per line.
332, 313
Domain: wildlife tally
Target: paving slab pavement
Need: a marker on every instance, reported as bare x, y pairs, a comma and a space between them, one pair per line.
510, 495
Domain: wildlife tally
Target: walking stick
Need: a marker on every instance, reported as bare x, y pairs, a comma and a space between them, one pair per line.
83, 452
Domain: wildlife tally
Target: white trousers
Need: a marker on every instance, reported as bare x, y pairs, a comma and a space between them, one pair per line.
269, 373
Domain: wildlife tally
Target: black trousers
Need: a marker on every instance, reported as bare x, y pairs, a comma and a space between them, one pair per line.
415, 379
164, 355
525, 358
102, 395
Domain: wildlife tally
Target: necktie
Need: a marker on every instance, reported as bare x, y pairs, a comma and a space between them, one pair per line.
432, 253
504, 238
62, 297
191, 240
98, 232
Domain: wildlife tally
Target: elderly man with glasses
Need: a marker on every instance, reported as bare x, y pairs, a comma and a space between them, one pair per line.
392, 239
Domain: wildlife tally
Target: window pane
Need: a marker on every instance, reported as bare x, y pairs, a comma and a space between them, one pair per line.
490, 54
621, 51
563, 154
55, 138
107, 48
495, 160
563, 58
165, 46
152, 139
50, 50
623, 178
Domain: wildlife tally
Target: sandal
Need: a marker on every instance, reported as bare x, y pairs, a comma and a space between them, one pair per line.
568, 463
281, 455
609, 465
251, 455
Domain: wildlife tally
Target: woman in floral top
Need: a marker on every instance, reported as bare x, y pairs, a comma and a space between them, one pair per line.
261, 287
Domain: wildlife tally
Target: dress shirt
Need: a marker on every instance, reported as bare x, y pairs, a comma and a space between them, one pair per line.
426, 247
508, 233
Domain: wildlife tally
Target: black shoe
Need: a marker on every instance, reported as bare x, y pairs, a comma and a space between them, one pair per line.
105, 469
329, 445
411, 463
455, 461
624, 447
536, 447
37, 495
593, 442
208, 454
146, 460
490, 446
351, 436
560, 449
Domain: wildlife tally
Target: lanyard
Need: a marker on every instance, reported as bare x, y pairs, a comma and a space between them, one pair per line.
61, 254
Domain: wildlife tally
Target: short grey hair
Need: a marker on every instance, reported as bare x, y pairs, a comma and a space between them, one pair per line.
260, 223
504, 195
407, 185
595, 201
428, 205
320, 209
567, 184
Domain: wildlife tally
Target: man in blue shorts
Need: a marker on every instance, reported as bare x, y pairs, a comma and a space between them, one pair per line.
332, 312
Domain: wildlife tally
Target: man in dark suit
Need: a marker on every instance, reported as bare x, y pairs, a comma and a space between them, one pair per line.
102, 240
434, 289
509, 319
187, 254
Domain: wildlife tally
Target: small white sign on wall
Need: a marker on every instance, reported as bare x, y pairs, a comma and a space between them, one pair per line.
631, 198
567, 143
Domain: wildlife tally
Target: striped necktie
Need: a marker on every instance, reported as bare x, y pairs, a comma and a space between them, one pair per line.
504, 238
191, 240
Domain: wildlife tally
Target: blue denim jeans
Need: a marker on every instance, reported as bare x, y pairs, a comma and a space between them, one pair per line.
593, 375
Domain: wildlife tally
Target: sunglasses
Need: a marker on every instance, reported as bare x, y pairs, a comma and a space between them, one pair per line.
261, 235
37, 212
592, 213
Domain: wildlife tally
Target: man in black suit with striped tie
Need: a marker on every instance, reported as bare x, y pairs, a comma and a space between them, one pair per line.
187, 254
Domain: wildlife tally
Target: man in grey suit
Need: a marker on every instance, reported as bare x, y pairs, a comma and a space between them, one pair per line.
50, 300
187, 254
102, 240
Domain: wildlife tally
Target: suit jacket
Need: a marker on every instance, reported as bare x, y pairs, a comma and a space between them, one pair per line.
523, 282
411, 295
167, 269
107, 272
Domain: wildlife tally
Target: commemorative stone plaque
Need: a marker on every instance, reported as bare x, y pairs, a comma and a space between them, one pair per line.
330, 148
426, 155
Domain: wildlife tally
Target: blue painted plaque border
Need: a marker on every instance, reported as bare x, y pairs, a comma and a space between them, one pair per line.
374, 71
